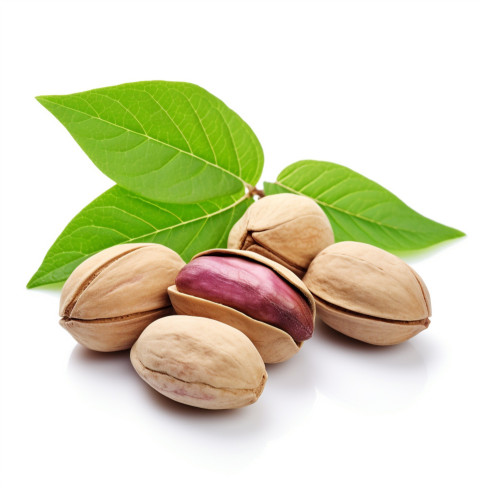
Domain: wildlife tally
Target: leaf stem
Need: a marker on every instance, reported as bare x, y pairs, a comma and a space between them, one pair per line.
254, 191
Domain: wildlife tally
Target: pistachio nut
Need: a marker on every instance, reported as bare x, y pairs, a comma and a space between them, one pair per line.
254, 294
290, 229
112, 296
368, 294
199, 362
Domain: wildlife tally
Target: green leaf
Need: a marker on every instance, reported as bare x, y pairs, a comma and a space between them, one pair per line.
360, 209
167, 141
118, 216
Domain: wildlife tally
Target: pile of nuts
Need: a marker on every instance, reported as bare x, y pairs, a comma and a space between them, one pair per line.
200, 333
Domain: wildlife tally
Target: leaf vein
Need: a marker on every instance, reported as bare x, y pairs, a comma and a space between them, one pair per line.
168, 115
200, 123
221, 168
189, 243
125, 108
232, 140
342, 210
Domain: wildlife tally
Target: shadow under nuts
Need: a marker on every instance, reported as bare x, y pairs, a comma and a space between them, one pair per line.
199, 362
250, 292
290, 229
111, 297
368, 293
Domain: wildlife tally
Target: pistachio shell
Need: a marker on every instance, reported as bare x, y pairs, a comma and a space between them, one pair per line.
368, 329
289, 229
368, 293
274, 344
199, 362
116, 334
111, 297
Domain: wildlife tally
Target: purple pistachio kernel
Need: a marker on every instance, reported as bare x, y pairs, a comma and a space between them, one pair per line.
251, 288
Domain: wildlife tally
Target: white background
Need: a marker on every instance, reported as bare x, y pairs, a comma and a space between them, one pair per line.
390, 89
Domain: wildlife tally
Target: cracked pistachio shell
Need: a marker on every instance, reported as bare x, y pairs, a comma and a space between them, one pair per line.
199, 362
273, 344
289, 229
111, 297
368, 293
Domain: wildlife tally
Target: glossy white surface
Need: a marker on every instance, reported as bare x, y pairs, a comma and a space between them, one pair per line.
390, 89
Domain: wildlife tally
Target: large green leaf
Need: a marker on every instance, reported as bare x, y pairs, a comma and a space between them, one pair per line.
360, 209
167, 141
118, 216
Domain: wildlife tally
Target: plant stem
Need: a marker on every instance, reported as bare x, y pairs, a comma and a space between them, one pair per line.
254, 191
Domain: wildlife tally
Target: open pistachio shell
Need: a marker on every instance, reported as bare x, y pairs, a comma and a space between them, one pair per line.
111, 297
289, 229
274, 344
368, 293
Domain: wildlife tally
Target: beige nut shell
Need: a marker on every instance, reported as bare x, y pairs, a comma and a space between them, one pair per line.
111, 297
289, 229
368, 293
273, 344
199, 362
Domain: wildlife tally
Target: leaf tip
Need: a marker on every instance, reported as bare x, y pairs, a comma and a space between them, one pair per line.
35, 280
454, 233
32, 283
41, 99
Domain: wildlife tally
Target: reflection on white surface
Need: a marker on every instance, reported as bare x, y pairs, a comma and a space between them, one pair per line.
366, 377
201, 435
